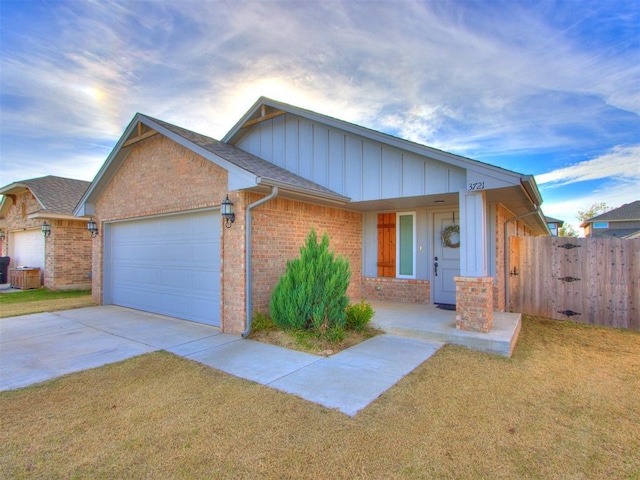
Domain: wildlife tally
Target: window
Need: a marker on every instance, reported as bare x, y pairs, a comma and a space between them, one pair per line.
406, 259
600, 224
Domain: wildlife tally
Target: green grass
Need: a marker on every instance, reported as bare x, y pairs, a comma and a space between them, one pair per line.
39, 294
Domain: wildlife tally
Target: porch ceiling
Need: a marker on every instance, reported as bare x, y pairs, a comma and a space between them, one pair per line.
394, 204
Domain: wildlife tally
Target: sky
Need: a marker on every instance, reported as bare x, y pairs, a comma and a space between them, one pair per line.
548, 88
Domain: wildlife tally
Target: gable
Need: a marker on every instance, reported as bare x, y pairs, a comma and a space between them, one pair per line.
360, 163
244, 171
159, 175
349, 164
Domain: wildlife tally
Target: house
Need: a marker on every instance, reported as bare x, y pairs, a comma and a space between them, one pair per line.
416, 224
554, 225
64, 254
622, 222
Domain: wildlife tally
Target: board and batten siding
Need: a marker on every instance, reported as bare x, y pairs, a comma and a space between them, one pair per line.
348, 164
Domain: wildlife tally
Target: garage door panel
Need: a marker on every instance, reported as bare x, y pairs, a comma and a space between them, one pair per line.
26, 249
168, 265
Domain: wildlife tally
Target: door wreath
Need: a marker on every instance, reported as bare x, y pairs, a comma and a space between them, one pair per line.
451, 236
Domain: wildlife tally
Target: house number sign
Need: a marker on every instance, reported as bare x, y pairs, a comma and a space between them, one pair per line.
473, 186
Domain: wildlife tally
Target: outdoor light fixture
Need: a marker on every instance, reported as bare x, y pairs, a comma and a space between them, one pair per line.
1, 234
92, 227
46, 229
226, 211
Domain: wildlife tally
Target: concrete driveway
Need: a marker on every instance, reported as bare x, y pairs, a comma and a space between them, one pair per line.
35, 348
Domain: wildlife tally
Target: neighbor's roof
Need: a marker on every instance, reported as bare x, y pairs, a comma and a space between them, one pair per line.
554, 220
56, 195
615, 233
628, 211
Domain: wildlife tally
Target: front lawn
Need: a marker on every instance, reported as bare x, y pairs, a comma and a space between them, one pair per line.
564, 406
42, 300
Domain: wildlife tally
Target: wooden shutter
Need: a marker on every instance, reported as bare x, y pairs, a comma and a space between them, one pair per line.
387, 245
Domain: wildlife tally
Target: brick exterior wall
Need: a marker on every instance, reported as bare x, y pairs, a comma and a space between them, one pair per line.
232, 291
396, 289
474, 303
280, 228
68, 256
67, 249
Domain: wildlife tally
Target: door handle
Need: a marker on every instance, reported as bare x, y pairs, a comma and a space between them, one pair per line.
435, 266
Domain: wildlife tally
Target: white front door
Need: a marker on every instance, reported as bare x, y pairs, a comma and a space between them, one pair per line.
446, 260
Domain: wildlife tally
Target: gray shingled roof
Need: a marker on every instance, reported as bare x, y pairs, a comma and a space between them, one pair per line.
57, 194
613, 232
628, 211
247, 161
553, 220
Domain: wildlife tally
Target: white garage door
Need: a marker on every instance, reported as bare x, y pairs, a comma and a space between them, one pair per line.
26, 249
168, 265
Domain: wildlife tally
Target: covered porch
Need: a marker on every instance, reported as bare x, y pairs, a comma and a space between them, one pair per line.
427, 321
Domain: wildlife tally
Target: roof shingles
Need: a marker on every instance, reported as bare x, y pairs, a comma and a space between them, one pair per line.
628, 211
57, 194
251, 163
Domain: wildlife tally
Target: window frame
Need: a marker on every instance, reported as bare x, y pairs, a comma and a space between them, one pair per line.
413, 244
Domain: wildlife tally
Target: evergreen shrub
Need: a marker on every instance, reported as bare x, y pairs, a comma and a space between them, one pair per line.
312, 293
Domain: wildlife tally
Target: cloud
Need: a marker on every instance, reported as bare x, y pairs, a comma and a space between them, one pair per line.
623, 162
614, 194
453, 75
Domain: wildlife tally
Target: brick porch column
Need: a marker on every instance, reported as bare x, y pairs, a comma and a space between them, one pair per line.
474, 303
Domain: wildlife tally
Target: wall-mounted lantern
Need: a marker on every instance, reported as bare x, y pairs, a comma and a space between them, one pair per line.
226, 211
92, 227
46, 229
1, 234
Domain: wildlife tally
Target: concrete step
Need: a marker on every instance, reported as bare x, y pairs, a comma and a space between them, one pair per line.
427, 323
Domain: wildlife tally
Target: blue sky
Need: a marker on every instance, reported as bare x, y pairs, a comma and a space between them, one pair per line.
549, 88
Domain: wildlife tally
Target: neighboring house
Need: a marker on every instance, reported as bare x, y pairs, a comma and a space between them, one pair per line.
64, 256
385, 203
622, 222
554, 225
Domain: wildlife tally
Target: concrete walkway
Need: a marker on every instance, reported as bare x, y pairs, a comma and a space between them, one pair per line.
35, 348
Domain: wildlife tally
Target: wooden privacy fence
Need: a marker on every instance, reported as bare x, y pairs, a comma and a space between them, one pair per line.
588, 280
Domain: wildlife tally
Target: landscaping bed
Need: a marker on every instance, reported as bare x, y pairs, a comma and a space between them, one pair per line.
264, 330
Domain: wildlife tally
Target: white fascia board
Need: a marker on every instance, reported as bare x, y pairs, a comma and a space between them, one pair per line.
530, 185
55, 216
335, 199
8, 188
17, 186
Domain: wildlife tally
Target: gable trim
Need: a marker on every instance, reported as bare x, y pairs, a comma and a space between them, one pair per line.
241, 177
